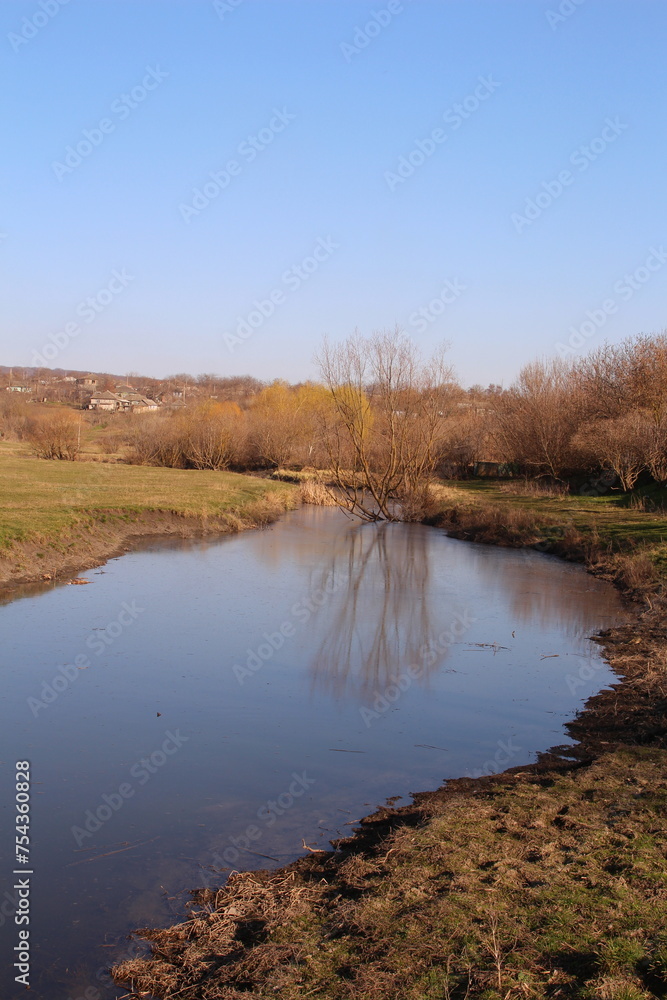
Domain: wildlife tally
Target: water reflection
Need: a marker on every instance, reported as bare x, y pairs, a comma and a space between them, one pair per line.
381, 620
382, 617
540, 590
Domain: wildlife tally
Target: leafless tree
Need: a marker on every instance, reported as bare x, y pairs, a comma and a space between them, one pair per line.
622, 377
465, 441
13, 415
656, 450
537, 417
208, 441
619, 443
389, 410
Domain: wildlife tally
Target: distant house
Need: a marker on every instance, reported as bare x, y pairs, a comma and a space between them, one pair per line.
125, 391
136, 401
18, 388
143, 405
113, 402
88, 381
106, 401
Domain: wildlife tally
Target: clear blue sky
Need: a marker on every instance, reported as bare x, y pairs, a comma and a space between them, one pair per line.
388, 245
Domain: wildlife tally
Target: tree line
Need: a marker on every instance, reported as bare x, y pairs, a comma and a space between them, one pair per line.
383, 421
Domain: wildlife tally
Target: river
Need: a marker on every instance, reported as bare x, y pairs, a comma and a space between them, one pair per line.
205, 706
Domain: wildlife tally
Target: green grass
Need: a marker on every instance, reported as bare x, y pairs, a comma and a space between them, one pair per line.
610, 514
44, 499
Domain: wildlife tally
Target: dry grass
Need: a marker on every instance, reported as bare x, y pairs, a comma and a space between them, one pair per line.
250, 905
493, 524
636, 572
523, 888
316, 493
296, 476
535, 488
442, 494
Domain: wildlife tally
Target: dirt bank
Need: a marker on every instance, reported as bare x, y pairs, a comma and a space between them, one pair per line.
544, 881
102, 535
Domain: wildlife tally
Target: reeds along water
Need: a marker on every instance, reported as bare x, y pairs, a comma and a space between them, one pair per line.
317, 494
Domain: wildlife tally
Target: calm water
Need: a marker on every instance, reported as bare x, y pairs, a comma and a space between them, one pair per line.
241, 696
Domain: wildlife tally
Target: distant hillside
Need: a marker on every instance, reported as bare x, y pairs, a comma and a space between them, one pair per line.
73, 385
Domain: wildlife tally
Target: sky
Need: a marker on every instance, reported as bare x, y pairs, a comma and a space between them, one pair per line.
215, 185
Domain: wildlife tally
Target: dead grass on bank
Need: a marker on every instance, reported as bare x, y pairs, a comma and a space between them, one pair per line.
636, 566
317, 487
528, 887
297, 476
490, 523
535, 488
98, 535
312, 492
636, 572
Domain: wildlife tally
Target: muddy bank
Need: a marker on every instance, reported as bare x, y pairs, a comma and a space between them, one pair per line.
103, 535
525, 883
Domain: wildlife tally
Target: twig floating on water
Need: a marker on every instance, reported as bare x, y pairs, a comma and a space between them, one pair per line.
258, 855
96, 847
429, 747
336, 750
85, 861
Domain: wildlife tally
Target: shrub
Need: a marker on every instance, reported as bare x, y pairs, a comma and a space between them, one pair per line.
55, 435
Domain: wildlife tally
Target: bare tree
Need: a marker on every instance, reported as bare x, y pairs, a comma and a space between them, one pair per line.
622, 377
205, 437
389, 410
620, 443
13, 415
285, 423
56, 435
465, 440
537, 418
208, 441
656, 451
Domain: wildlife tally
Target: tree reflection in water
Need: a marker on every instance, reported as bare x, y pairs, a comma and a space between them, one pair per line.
379, 620
398, 588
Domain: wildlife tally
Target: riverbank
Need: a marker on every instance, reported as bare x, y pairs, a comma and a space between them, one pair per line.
62, 518
546, 880
619, 537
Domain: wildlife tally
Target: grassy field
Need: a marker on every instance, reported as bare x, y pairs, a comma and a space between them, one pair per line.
59, 518
40, 499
